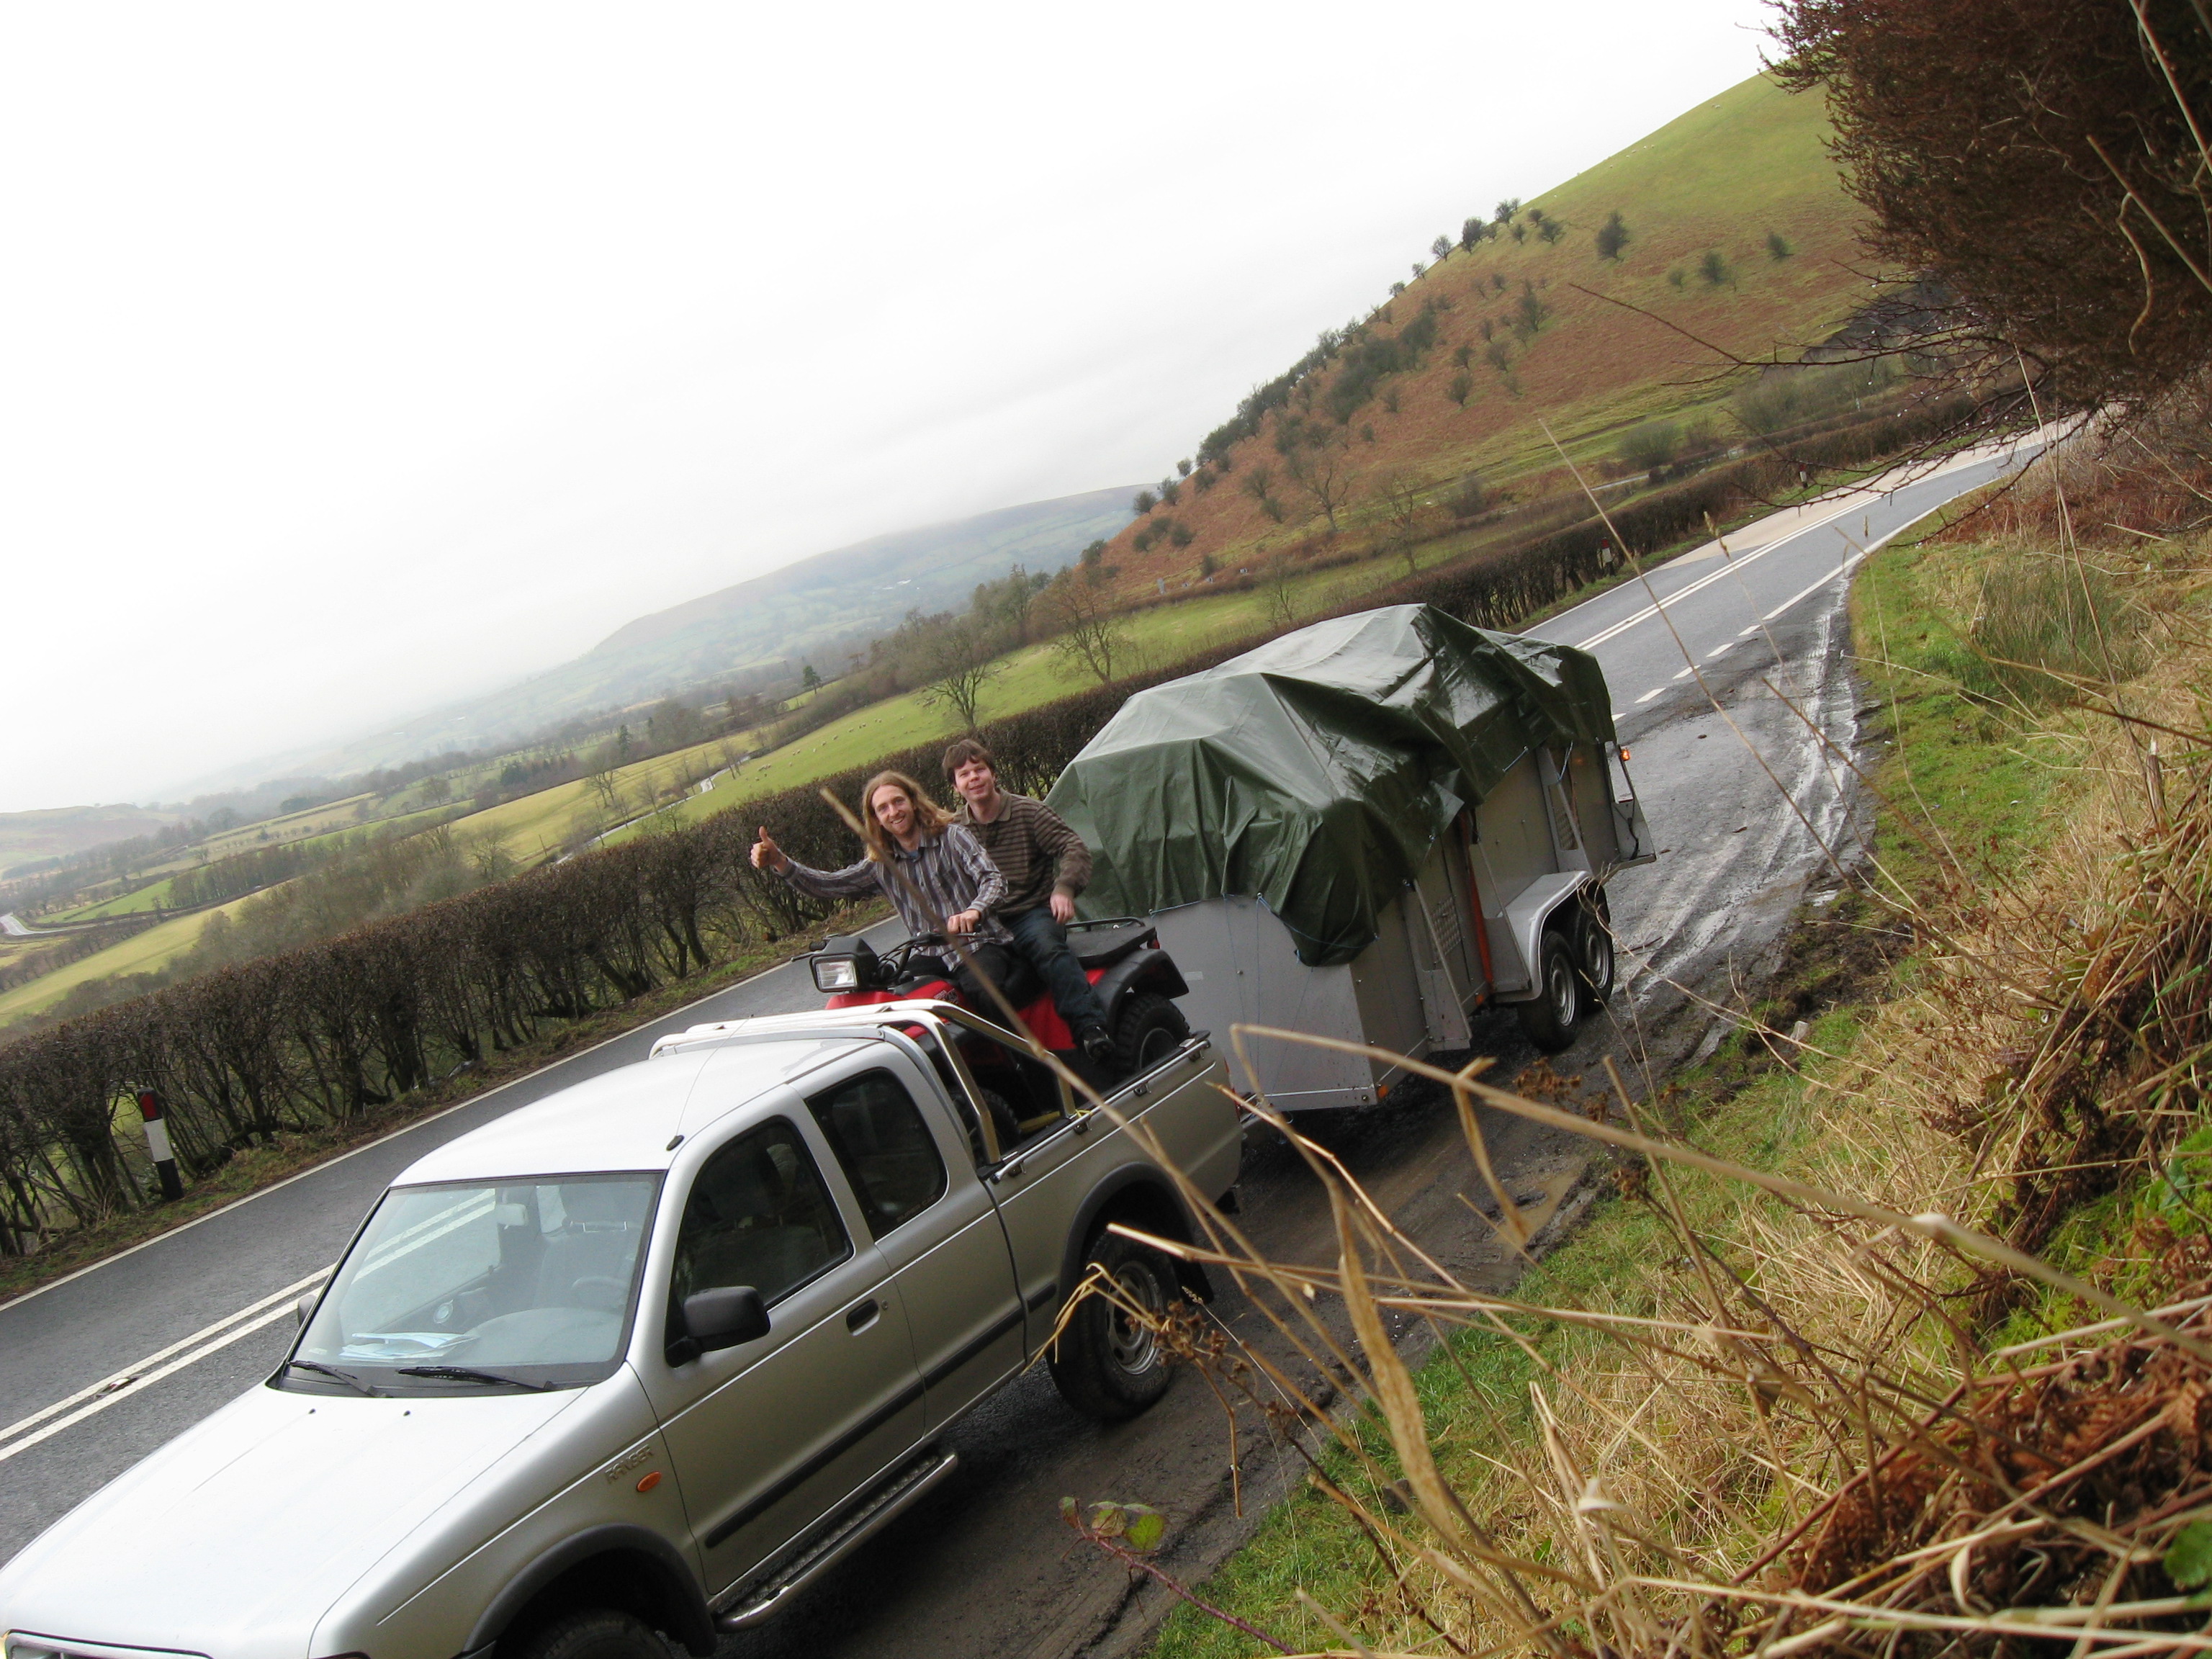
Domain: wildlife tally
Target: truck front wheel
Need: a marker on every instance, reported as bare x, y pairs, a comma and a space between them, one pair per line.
1107, 1364
1548, 1018
594, 1633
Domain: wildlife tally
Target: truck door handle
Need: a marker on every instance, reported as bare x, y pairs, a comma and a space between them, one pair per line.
858, 1318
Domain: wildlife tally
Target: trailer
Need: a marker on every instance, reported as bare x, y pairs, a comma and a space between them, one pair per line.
1368, 830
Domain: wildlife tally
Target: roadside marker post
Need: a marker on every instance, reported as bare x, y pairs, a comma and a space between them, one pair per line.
157, 1144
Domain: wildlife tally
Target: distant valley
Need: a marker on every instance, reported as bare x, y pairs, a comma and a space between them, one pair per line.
812, 610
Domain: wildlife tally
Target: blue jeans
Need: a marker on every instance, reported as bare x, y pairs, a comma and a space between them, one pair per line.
1044, 942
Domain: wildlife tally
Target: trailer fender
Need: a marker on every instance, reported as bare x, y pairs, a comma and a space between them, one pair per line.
1527, 912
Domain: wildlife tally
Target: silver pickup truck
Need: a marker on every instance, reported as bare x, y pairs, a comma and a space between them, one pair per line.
644, 1358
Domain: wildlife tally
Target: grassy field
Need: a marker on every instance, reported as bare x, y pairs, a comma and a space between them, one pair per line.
303, 825
152, 897
142, 953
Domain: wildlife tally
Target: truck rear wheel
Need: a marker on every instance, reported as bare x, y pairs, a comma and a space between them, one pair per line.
1548, 1018
594, 1633
1146, 1031
1106, 1365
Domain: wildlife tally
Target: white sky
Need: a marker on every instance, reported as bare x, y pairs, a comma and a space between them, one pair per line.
352, 358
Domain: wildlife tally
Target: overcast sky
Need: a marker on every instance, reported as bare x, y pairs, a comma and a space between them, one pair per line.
352, 358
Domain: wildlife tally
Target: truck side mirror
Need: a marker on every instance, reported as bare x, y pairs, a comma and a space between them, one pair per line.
304, 1309
725, 1317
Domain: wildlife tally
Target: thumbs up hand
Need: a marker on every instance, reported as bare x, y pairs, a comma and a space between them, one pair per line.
766, 855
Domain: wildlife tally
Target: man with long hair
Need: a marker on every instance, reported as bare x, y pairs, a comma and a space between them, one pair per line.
934, 873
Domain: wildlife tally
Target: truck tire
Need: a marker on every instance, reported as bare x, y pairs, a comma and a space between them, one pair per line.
1105, 1364
1147, 1029
594, 1633
1549, 1017
1594, 954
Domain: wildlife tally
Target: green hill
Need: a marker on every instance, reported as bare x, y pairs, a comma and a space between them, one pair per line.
1740, 241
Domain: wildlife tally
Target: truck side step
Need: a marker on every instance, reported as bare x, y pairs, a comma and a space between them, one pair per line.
897, 1494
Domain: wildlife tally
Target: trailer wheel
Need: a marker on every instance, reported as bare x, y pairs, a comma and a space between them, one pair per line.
1548, 1018
1594, 953
1148, 1029
1106, 1365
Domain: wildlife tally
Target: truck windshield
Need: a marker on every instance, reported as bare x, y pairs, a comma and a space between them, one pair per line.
472, 1286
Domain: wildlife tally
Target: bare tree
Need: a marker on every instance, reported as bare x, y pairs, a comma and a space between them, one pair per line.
1320, 466
1091, 635
960, 662
1402, 498
1282, 601
606, 785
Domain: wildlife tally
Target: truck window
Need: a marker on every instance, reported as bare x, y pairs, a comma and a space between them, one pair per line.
884, 1148
758, 1214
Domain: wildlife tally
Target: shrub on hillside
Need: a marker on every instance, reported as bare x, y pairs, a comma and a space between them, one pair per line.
1648, 447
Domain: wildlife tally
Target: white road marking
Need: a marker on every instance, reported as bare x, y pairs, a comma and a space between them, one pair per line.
1683, 673
1707, 580
1858, 498
1719, 649
1652, 692
151, 1370
1842, 569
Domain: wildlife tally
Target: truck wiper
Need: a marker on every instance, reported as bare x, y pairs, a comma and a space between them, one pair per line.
346, 1377
470, 1374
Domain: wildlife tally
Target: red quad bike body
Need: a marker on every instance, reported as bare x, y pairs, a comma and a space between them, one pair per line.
1136, 980
1040, 1016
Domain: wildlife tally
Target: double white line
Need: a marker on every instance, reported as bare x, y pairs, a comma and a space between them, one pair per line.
27, 1432
1729, 566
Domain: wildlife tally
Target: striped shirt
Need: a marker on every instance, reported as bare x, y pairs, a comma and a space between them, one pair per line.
1036, 850
950, 870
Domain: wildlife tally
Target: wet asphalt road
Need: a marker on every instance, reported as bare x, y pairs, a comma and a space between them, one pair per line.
983, 1567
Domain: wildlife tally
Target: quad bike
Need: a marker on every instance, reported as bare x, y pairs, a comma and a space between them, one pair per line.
1136, 982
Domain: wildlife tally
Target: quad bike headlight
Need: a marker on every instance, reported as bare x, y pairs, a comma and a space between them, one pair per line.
848, 963
836, 973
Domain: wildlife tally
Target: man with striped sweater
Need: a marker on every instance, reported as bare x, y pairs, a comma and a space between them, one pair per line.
1045, 864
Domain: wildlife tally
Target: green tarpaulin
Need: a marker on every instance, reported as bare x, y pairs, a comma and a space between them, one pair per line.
1317, 772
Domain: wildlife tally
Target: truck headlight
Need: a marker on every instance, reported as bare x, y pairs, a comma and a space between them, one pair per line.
18, 1647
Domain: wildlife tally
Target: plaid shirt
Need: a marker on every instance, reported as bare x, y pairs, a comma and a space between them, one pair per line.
950, 869
1035, 849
